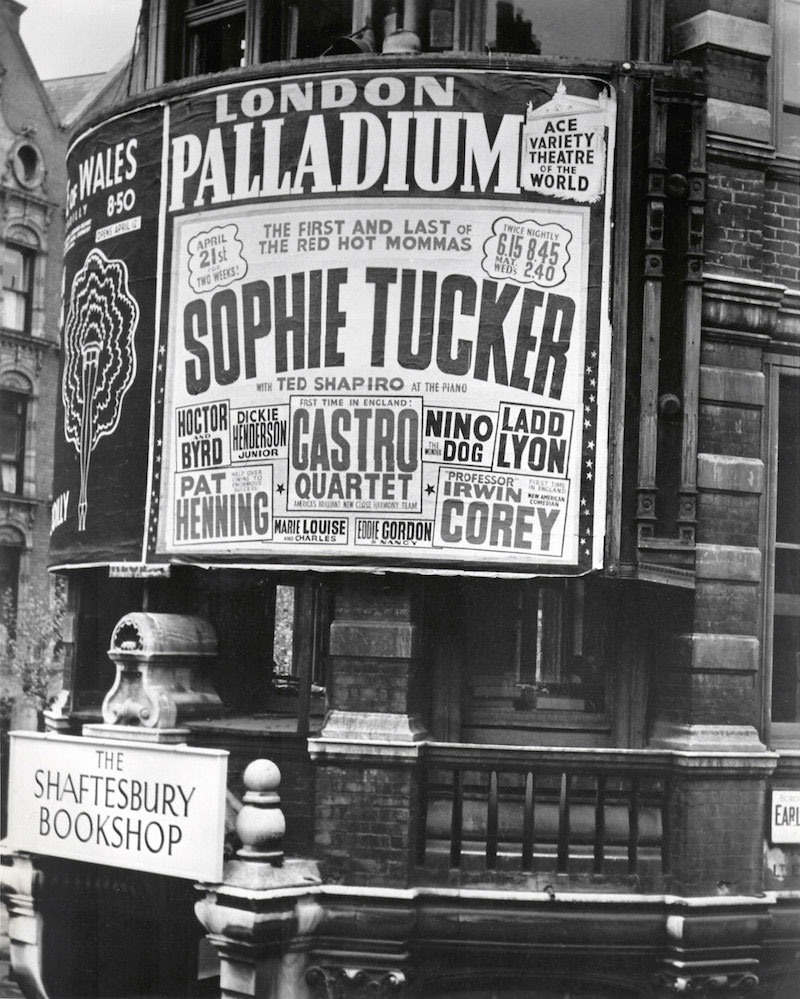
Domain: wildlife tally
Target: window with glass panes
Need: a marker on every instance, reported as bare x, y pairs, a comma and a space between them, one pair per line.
783, 607
788, 77
558, 28
224, 34
534, 651
17, 288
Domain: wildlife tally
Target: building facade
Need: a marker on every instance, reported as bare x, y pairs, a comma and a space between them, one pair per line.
32, 183
431, 386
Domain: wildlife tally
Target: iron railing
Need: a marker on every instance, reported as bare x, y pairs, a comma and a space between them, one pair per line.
592, 814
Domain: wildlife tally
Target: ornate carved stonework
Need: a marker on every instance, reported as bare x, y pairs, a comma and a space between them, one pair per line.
736, 983
161, 679
355, 983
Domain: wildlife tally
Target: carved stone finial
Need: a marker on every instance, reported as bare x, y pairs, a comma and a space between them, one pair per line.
162, 662
260, 824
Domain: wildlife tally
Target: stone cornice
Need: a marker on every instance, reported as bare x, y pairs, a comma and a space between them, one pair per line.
747, 305
788, 764
724, 31
739, 151
751, 759
12, 338
739, 121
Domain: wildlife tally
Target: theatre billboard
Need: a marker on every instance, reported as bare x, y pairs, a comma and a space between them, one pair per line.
359, 319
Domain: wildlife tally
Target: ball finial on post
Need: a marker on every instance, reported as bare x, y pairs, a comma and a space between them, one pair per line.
260, 824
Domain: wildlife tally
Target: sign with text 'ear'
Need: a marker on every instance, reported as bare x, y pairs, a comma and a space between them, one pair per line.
785, 817
159, 809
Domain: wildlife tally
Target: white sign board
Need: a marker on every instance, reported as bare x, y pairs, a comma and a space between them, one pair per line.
159, 809
785, 816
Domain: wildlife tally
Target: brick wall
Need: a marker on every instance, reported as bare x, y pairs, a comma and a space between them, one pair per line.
708, 852
371, 684
707, 698
735, 219
733, 432
366, 803
364, 817
34, 218
298, 777
781, 229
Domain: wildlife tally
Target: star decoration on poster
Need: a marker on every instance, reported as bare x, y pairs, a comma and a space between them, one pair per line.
586, 509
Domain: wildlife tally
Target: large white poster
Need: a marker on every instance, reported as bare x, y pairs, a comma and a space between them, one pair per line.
378, 375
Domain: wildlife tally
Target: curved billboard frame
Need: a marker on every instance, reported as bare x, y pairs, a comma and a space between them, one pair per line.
349, 318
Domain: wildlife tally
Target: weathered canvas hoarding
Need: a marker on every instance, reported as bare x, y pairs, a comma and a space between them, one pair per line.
374, 328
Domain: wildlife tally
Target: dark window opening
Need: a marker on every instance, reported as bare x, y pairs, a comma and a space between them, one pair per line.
27, 165
532, 661
100, 604
300, 623
223, 34
318, 26
786, 599
789, 78
271, 634
9, 581
215, 33
559, 28
13, 418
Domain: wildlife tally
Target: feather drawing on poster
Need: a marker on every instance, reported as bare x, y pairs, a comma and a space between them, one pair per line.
100, 358
564, 146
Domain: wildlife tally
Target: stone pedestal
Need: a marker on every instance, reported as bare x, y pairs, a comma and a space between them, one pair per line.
261, 917
714, 950
367, 752
714, 823
260, 921
708, 671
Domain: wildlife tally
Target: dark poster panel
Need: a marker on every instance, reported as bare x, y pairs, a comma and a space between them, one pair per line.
108, 328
